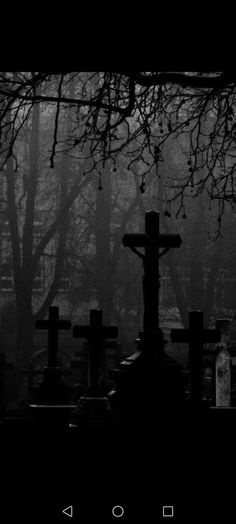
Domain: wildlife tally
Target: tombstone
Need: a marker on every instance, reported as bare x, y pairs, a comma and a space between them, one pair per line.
53, 388
223, 366
53, 325
149, 383
36, 367
52, 396
95, 334
94, 407
196, 336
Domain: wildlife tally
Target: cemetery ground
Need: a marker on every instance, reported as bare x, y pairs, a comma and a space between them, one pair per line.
170, 462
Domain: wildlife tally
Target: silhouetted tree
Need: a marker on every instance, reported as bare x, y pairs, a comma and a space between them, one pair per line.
136, 113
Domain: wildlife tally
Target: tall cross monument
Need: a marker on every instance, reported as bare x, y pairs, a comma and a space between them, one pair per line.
152, 241
149, 378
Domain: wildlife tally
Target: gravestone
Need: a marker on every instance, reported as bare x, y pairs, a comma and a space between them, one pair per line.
149, 383
223, 366
196, 336
53, 325
53, 388
93, 407
95, 334
52, 396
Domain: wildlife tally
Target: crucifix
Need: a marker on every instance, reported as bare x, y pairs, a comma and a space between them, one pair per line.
149, 382
195, 336
95, 333
53, 324
152, 240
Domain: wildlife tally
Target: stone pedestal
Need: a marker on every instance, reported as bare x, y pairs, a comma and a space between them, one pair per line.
53, 416
51, 406
52, 389
150, 384
92, 411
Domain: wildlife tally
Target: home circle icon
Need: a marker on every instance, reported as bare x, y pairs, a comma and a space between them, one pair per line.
118, 511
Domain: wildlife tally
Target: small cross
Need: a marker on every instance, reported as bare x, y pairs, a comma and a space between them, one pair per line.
53, 324
151, 241
95, 333
196, 336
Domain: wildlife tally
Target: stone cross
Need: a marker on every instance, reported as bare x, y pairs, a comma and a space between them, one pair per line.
152, 240
223, 366
95, 333
53, 324
195, 336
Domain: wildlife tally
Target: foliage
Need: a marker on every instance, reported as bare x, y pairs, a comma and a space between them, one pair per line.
136, 114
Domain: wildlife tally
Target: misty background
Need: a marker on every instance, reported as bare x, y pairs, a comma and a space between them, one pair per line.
64, 212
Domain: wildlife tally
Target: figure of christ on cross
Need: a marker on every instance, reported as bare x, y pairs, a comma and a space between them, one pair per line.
151, 241
149, 382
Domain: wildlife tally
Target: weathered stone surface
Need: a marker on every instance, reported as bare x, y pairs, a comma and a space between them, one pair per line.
223, 377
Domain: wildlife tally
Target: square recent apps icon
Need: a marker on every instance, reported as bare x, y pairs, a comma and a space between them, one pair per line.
167, 511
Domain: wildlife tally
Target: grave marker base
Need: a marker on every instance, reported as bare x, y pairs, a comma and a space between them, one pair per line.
52, 389
92, 411
150, 384
51, 415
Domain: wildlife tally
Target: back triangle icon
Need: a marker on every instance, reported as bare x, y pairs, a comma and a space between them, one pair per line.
68, 511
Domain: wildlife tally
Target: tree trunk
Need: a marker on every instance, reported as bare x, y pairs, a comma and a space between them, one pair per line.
25, 326
25, 330
103, 253
196, 283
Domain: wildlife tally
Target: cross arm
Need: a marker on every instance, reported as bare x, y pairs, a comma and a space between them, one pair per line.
169, 241
45, 324
134, 240
141, 240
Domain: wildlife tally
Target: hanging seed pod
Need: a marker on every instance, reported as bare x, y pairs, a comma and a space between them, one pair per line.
142, 187
184, 215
